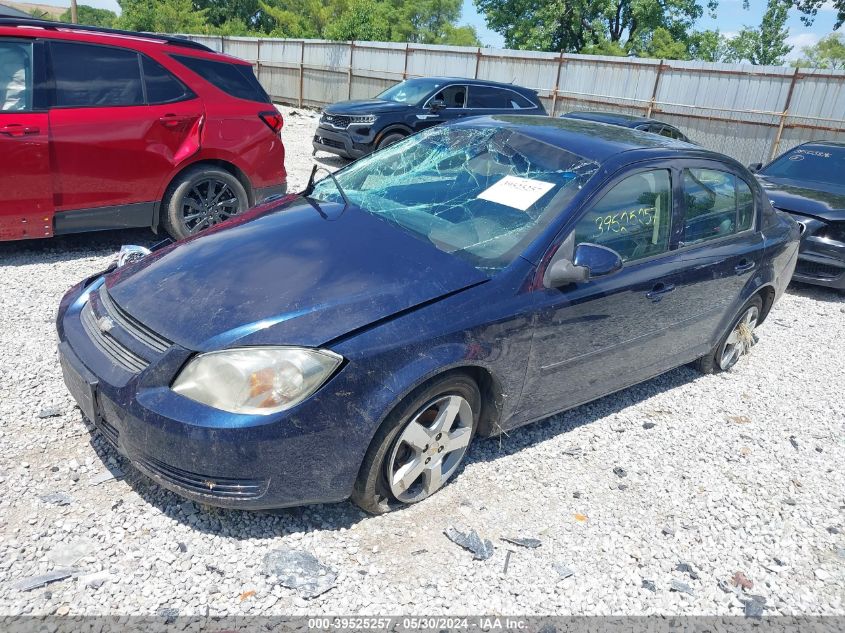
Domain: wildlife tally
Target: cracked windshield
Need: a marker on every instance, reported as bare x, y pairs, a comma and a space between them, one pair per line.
480, 193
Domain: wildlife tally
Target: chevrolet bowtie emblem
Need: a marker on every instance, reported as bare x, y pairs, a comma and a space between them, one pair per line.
106, 324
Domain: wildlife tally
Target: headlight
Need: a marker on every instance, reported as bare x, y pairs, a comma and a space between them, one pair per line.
363, 120
256, 380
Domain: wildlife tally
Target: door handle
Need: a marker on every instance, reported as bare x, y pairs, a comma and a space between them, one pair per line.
16, 129
171, 121
658, 291
744, 266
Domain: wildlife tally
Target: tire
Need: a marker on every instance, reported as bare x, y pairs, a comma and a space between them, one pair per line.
389, 139
414, 420
720, 358
185, 207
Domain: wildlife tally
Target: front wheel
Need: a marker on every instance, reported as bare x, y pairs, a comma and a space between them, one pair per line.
738, 341
419, 446
200, 198
390, 139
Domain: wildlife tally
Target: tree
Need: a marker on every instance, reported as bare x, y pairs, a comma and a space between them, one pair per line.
708, 46
828, 52
663, 46
361, 20
576, 25
765, 45
162, 16
92, 16
811, 7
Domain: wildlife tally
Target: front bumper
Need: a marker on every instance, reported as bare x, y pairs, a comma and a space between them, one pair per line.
309, 454
352, 142
821, 258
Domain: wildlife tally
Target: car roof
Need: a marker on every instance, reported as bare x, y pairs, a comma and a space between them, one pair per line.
476, 82
837, 144
20, 27
598, 142
614, 118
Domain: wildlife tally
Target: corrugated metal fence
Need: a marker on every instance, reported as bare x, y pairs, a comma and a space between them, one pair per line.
749, 112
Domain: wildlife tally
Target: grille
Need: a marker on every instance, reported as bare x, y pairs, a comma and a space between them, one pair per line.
329, 142
337, 120
221, 487
135, 329
820, 271
108, 345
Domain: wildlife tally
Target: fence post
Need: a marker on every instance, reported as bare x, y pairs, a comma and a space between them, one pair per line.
301, 73
258, 61
222, 43
477, 61
784, 114
349, 72
654, 90
557, 83
405, 69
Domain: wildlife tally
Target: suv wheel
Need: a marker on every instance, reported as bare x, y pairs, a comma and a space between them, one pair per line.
202, 197
390, 139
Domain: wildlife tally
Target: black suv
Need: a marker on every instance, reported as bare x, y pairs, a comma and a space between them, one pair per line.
354, 128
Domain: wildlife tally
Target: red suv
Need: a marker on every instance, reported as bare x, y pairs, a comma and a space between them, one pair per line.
104, 129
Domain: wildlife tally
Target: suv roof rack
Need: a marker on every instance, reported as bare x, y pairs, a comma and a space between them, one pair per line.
176, 40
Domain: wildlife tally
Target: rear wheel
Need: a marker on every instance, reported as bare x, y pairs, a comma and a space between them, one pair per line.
202, 197
420, 445
736, 343
390, 139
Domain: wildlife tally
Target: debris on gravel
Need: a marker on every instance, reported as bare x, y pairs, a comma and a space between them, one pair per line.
481, 549
57, 498
721, 511
680, 587
299, 571
531, 543
741, 580
686, 568
562, 570
34, 582
649, 584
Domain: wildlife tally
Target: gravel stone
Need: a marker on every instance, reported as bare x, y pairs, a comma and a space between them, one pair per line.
725, 511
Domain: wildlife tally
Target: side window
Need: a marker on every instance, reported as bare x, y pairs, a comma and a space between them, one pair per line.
745, 205
717, 204
633, 218
162, 86
15, 76
454, 96
237, 80
88, 75
488, 97
518, 102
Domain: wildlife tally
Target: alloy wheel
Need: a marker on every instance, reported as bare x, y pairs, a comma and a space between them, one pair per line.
740, 340
208, 202
430, 448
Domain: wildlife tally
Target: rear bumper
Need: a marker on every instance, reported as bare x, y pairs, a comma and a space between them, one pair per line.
263, 193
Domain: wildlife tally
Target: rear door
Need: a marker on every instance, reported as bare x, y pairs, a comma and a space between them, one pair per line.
26, 203
115, 137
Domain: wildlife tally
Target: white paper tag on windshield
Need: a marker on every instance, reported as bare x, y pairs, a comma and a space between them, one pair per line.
516, 192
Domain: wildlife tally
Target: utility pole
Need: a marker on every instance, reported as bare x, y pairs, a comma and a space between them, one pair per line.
74, 17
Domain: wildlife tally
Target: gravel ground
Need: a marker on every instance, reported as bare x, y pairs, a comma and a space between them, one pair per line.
740, 472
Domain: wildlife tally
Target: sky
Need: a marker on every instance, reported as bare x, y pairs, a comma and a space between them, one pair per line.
730, 18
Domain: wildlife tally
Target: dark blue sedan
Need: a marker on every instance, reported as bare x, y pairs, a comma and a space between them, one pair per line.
351, 341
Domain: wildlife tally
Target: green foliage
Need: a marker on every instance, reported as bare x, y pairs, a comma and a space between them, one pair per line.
663, 46
708, 46
828, 52
810, 7
92, 16
360, 20
766, 44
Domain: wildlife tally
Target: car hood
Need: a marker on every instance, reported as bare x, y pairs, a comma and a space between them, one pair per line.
822, 201
365, 106
295, 275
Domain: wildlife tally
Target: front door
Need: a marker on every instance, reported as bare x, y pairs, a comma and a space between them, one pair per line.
454, 97
26, 203
598, 336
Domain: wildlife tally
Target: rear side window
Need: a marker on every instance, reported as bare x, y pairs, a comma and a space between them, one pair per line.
89, 75
633, 218
717, 204
15, 76
237, 80
487, 97
162, 87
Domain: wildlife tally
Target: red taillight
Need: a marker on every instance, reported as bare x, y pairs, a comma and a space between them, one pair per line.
273, 120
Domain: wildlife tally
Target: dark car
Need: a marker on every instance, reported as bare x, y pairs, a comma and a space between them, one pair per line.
627, 120
808, 182
475, 277
354, 128
104, 129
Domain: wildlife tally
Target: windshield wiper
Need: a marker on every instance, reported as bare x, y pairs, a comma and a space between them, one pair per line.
309, 188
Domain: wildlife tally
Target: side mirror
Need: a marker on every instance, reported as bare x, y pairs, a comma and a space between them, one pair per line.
755, 167
436, 105
590, 261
